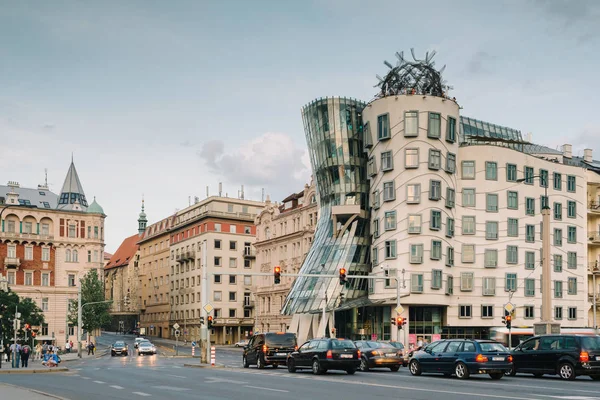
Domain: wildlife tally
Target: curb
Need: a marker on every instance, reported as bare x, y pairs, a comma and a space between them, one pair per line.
33, 371
34, 391
203, 366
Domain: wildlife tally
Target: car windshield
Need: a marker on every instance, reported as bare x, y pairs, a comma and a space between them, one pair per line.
397, 345
145, 343
342, 344
119, 344
487, 346
281, 340
591, 343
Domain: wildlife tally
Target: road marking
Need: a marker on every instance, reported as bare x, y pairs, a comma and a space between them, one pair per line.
99, 382
264, 388
85, 377
172, 388
117, 387
177, 376
141, 394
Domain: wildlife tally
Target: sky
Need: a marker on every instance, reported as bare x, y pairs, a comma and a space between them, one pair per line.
160, 99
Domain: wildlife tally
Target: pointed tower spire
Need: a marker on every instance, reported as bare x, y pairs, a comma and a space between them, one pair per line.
72, 196
142, 220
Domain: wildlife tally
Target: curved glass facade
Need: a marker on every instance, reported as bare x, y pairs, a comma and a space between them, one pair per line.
334, 134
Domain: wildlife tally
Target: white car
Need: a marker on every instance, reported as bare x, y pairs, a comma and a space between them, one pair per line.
242, 343
145, 347
138, 340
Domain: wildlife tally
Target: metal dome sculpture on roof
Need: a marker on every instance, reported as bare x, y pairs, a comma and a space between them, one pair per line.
413, 77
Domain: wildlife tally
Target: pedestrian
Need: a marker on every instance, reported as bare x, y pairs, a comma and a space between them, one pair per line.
71, 344
44, 349
68, 347
25, 353
93, 348
38, 352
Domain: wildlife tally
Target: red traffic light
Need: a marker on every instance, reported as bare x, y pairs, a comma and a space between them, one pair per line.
277, 274
342, 276
399, 321
27, 327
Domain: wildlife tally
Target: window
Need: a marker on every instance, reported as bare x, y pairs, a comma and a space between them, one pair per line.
411, 123
71, 280
572, 285
375, 256
232, 296
557, 181
411, 158
75, 256
529, 206
449, 285
389, 192
512, 229
468, 253
513, 200
416, 253
390, 220
383, 127
416, 283
491, 171
44, 304
413, 193
45, 254
491, 202
572, 312
217, 295
571, 183
27, 227
529, 312
572, 260
468, 198
468, 225
390, 249
557, 237
247, 263
435, 190
451, 130
511, 173
45, 229
232, 312
450, 197
232, 279
436, 279
530, 233
387, 161
12, 277
89, 256
414, 223
491, 258
529, 260
29, 252
28, 278
376, 199
487, 311
436, 250
451, 163
529, 175
217, 261
529, 287
491, 230
510, 282
466, 281
465, 311
217, 244
217, 278
512, 254
45, 279
558, 289
247, 280
468, 169
68, 257
376, 227
232, 245
436, 220
558, 312
72, 231
450, 227
557, 260
543, 178
489, 286
450, 256
95, 232
217, 227
371, 167
571, 209
434, 127
232, 262
558, 211
435, 159
571, 234
544, 202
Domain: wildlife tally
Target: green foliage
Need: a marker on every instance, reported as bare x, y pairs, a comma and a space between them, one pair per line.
30, 314
96, 315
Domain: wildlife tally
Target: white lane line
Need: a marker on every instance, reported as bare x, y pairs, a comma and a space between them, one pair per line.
85, 377
177, 376
100, 382
141, 394
117, 387
264, 388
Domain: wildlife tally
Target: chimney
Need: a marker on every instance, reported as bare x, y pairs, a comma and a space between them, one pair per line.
587, 155
567, 150
220, 188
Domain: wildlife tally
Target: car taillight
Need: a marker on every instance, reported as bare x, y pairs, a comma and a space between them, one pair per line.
265, 348
375, 352
296, 348
509, 359
329, 354
358, 353
584, 357
481, 358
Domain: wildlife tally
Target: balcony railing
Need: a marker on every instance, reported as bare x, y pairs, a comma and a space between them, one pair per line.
594, 237
12, 262
594, 206
249, 303
16, 235
249, 252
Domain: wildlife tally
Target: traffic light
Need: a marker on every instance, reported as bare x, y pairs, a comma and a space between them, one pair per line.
507, 319
343, 276
201, 320
393, 321
277, 274
210, 321
399, 322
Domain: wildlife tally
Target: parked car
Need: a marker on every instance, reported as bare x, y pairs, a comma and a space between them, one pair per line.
568, 356
462, 358
145, 347
269, 349
137, 341
376, 354
325, 354
242, 343
119, 348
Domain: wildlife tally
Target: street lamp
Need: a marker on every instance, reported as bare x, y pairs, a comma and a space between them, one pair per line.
545, 326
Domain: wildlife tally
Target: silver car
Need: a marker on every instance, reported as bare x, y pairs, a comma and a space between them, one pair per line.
145, 347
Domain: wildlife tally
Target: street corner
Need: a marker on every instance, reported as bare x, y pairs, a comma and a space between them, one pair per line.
33, 370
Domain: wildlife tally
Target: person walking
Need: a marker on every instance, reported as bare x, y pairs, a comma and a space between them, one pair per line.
38, 352
25, 353
68, 347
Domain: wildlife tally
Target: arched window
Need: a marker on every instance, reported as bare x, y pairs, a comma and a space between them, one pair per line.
75, 256
68, 255
313, 199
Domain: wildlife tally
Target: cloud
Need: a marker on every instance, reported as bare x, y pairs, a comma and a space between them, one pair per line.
271, 160
574, 18
480, 63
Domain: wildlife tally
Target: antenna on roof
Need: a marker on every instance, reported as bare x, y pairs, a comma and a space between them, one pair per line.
206, 190
46, 173
263, 195
220, 188
242, 193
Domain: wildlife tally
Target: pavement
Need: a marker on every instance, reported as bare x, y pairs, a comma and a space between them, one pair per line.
160, 377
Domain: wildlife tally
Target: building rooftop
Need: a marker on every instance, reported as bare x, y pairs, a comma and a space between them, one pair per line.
41, 197
124, 253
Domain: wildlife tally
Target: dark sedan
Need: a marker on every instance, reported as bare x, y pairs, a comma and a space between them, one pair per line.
119, 348
379, 355
324, 354
462, 358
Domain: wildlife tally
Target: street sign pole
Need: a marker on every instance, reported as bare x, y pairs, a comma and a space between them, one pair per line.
205, 332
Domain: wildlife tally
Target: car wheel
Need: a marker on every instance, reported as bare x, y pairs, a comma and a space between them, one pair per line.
461, 371
350, 371
291, 366
395, 368
566, 371
415, 368
245, 362
316, 367
364, 365
260, 363
497, 375
512, 371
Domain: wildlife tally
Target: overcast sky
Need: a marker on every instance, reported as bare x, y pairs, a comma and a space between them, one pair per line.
164, 98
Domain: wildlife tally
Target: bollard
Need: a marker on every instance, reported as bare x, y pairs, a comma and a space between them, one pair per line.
213, 356
193, 351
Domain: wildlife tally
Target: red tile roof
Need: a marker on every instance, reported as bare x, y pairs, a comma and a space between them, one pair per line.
107, 255
124, 253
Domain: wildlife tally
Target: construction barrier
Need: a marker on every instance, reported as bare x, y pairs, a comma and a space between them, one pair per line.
193, 350
213, 355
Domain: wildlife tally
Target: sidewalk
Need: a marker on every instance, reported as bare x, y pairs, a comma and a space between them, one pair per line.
16, 392
36, 367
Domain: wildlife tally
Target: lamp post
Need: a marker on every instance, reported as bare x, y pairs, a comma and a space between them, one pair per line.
545, 326
3, 288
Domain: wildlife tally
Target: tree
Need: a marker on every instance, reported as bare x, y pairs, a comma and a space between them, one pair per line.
93, 316
30, 314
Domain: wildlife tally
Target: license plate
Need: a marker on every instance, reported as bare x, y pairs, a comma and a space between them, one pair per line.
497, 358
281, 354
390, 355
346, 356
597, 358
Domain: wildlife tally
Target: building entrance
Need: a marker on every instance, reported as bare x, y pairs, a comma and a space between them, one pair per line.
424, 325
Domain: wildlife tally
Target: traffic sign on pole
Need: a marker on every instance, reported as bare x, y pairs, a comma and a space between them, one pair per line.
509, 307
175, 326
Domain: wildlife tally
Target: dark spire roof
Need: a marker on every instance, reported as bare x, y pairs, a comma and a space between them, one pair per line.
72, 196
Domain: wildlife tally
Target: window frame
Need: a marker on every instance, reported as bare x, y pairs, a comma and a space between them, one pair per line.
415, 114
387, 155
462, 170
491, 174
380, 118
406, 158
431, 164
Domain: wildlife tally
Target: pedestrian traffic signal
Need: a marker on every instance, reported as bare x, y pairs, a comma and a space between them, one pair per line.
210, 321
277, 274
393, 321
343, 278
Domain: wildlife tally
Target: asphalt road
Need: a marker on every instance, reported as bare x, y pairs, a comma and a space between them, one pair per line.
162, 377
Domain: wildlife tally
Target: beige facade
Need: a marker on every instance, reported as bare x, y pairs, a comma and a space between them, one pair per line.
227, 227
284, 235
154, 278
593, 237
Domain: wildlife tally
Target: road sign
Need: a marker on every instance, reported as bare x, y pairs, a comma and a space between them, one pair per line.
193, 344
175, 325
509, 307
399, 309
208, 308
177, 333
